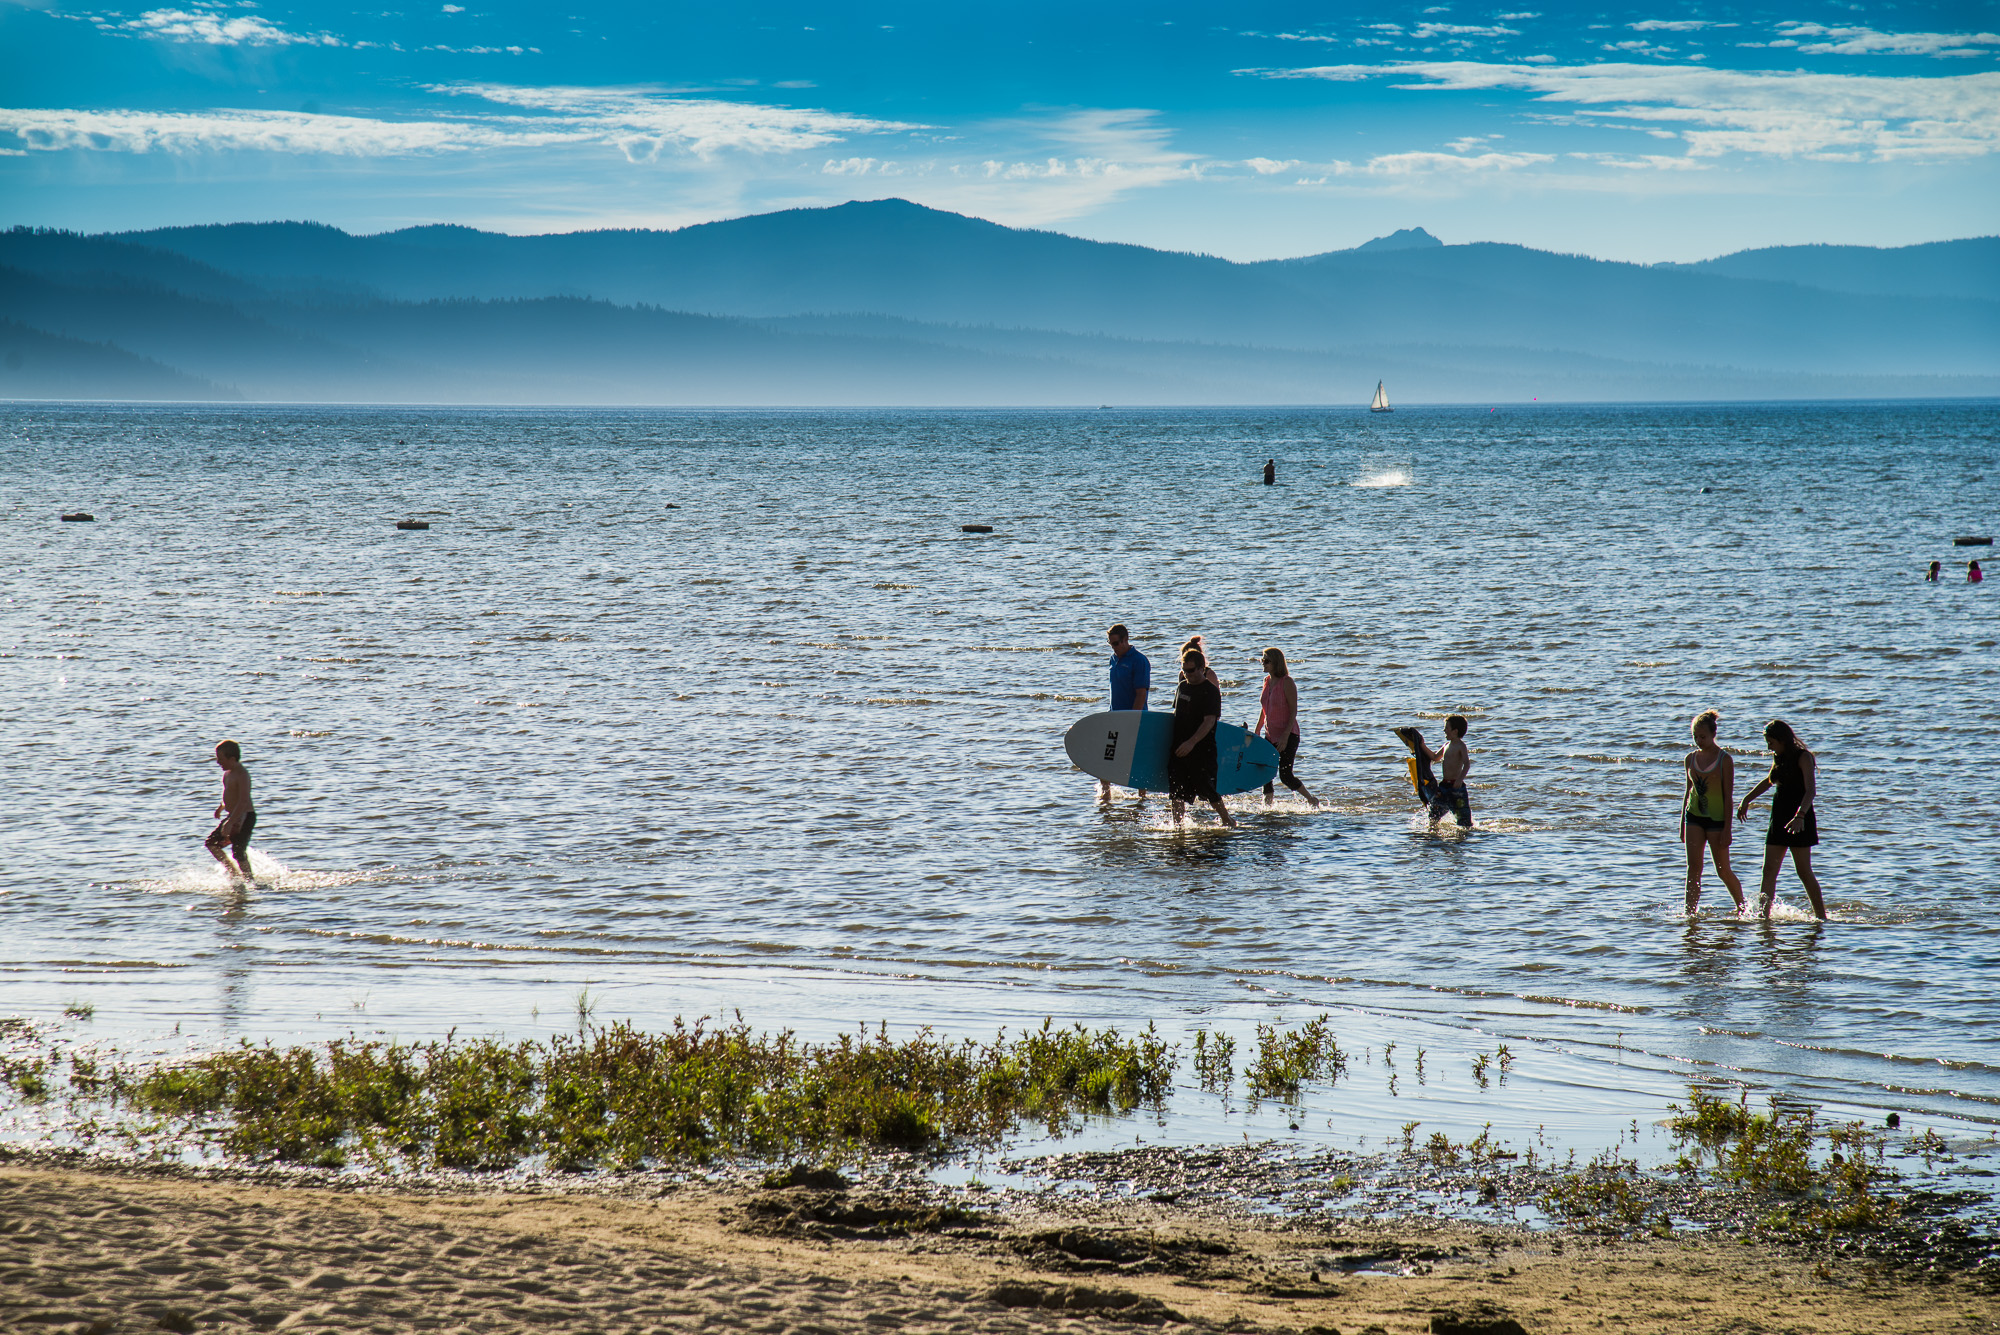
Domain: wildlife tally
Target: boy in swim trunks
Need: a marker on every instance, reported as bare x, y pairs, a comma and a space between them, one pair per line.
1453, 763
232, 836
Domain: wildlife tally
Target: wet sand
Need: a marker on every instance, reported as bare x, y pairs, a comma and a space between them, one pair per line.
104, 1250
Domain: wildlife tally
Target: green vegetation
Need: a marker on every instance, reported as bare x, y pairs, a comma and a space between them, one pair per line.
616, 1097
79, 1010
1772, 1154
1609, 1188
1214, 1060
1287, 1060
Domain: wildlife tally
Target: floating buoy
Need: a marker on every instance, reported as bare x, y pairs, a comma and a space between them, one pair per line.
1956, 542
411, 524
975, 528
1706, 490
80, 517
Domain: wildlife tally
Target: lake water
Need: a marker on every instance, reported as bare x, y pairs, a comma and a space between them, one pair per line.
794, 746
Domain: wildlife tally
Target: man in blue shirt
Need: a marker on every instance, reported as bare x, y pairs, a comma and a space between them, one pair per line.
1131, 681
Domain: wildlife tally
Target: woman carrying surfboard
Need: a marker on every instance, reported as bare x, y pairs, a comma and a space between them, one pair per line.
1191, 762
1278, 720
1709, 775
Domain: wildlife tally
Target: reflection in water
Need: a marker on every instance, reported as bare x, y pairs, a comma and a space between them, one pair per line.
233, 968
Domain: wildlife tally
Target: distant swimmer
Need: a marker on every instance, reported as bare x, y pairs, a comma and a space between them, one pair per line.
1710, 780
1454, 762
1937, 569
1131, 683
1270, 472
1973, 574
1191, 761
1278, 720
239, 816
1794, 827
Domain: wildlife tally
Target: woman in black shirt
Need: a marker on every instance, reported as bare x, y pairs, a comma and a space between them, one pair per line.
1794, 826
1191, 762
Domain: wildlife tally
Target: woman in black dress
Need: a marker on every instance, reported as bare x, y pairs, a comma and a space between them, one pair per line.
1191, 761
1794, 827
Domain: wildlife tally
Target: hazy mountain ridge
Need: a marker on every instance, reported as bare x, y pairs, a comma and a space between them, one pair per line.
1968, 268
889, 302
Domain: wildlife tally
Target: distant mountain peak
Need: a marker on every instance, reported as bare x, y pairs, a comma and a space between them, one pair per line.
1409, 238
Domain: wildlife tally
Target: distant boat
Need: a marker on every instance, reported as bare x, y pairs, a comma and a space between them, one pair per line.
1381, 404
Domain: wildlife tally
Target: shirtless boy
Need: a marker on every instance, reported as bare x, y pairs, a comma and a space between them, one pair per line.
232, 836
1453, 763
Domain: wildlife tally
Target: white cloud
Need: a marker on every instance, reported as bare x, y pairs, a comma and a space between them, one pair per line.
1411, 164
1516, 18
1800, 114
639, 124
1639, 48
1270, 166
1868, 42
1676, 25
454, 9
860, 167
644, 124
210, 28
1426, 31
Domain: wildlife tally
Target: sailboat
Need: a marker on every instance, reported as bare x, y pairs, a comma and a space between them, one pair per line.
1381, 404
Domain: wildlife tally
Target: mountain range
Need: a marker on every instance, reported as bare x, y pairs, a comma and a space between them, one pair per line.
890, 302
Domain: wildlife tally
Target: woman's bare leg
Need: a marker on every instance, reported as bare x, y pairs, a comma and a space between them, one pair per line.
1802, 864
1774, 858
1718, 843
1223, 812
1180, 808
1695, 838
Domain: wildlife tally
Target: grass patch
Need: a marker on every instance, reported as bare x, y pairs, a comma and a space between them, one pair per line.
1287, 1060
1777, 1154
617, 1097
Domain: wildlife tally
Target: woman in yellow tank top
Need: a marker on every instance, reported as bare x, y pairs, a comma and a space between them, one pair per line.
1710, 776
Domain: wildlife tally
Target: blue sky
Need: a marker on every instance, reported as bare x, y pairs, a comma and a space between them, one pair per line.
1644, 132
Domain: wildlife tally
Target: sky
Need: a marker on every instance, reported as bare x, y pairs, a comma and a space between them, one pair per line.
1645, 132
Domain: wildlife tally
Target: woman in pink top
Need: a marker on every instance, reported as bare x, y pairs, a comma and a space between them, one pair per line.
1278, 720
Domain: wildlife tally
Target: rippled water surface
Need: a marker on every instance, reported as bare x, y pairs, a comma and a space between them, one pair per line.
671, 712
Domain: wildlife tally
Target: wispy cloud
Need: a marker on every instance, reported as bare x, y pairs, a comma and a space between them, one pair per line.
641, 125
1423, 32
210, 27
1412, 164
1793, 114
644, 124
1868, 42
1676, 25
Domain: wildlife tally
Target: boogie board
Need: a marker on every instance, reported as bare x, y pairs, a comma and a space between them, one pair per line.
1422, 780
1129, 747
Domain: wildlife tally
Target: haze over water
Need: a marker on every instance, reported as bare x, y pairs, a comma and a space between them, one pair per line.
795, 746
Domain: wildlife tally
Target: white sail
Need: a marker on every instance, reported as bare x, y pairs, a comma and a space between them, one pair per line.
1381, 404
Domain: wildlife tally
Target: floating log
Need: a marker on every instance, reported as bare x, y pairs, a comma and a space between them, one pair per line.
80, 517
1956, 542
411, 524
975, 528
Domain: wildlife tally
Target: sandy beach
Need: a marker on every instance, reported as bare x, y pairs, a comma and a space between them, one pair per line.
106, 1250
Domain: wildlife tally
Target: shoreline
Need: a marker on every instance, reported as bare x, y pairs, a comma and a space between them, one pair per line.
109, 1246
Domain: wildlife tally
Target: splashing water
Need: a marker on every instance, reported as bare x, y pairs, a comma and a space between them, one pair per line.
1388, 477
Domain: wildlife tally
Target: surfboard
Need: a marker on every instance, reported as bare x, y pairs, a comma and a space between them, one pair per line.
1129, 747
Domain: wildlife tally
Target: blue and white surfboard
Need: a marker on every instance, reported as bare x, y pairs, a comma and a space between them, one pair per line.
1128, 747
